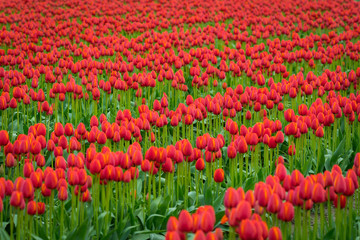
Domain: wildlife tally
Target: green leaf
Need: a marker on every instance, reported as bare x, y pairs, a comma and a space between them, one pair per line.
330, 234
249, 183
208, 196
84, 231
218, 202
4, 235
141, 237
164, 204
125, 233
140, 215
34, 237
321, 161
152, 217
154, 205
110, 235
154, 236
192, 195
335, 156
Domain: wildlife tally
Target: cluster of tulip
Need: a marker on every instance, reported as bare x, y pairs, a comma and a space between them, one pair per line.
115, 119
283, 198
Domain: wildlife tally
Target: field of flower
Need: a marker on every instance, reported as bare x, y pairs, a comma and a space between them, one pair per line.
169, 119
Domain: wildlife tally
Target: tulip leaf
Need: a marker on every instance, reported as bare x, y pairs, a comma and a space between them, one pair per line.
335, 155
330, 234
208, 196
141, 237
140, 215
249, 183
124, 234
3, 234
84, 231
164, 204
32, 236
152, 217
155, 236
192, 195
154, 205
218, 202
321, 161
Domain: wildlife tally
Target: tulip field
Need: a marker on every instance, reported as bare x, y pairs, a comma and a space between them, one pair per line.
180, 120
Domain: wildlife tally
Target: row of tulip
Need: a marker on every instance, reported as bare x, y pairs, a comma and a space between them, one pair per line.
278, 202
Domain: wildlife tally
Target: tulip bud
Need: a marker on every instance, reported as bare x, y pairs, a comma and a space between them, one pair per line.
219, 175
27, 189
274, 203
248, 230
173, 235
286, 212
16, 198
231, 198
296, 178
58, 129
263, 196
207, 221
318, 193
339, 184
62, 194
31, 208
199, 235
200, 164
275, 233
243, 210
172, 224
342, 201
350, 187
306, 188
185, 221
10, 160
280, 172
4, 138
40, 208
51, 180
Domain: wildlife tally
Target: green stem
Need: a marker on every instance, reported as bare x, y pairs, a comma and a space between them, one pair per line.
322, 219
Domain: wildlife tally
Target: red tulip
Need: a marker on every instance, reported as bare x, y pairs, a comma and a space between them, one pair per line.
172, 235
248, 230
339, 184
16, 199
306, 188
219, 175
274, 203
280, 172
27, 189
243, 210
199, 235
62, 194
318, 193
342, 201
4, 138
231, 198
275, 233
296, 178
185, 221
172, 224
200, 164
58, 129
286, 212
350, 187
31, 208
207, 221
10, 161
51, 180
40, 208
